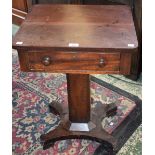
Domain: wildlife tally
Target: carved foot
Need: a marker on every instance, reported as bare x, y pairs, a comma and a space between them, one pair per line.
58, 109
104, 149
46, 144
111, 110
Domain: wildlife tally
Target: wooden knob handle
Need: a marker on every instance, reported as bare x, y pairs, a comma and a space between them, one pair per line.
46, 60
102, 62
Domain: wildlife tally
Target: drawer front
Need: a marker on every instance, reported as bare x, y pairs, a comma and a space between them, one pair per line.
73, 62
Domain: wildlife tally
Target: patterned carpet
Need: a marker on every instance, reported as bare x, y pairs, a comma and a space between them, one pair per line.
134, 144
33, 91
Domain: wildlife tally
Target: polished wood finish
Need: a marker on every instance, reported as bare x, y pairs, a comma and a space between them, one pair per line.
78, 98
48, 33
20, 5
124, 65
59, 1
59, 25
18, 16
73, 62
135, 5
78, 40
20, 8
136, 67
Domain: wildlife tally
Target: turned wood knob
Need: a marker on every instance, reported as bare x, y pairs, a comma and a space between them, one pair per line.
102, 62
46, 60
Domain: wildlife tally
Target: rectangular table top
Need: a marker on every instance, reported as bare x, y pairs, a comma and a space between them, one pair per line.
78, 26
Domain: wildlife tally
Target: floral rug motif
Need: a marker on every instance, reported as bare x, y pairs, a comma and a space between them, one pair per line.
32, 92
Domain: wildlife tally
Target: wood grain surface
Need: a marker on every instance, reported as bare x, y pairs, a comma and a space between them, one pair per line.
90, 26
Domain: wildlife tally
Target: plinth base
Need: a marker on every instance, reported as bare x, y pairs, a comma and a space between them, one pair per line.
92, 130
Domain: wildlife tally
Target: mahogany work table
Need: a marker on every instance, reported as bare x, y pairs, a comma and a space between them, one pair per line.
77, 40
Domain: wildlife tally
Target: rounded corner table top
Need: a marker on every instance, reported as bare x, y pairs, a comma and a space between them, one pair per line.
78, 26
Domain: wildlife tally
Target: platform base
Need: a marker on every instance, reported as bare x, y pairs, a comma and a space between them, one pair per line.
67, 130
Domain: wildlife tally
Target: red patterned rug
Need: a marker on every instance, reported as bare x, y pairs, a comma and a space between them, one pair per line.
32, 93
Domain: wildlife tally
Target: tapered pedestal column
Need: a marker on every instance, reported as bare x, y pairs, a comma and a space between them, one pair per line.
78, 98
78, 86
